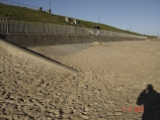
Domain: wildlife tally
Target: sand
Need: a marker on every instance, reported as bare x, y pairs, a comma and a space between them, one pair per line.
111, 76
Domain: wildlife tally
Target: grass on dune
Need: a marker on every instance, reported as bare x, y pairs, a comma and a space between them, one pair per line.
42, 16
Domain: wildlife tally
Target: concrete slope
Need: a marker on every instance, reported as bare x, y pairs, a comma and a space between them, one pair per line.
6, 48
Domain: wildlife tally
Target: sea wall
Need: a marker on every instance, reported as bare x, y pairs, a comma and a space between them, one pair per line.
28, 40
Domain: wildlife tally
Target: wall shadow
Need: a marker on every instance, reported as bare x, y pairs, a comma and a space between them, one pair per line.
2, 36
150, 99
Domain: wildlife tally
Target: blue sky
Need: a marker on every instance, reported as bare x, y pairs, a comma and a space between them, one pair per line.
142, 16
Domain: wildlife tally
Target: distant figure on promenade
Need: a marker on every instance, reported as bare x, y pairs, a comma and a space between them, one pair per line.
98, 30
95, 29
151, 102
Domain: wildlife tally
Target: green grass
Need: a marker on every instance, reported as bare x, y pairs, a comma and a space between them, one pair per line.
29, 14
35, 15
105, 27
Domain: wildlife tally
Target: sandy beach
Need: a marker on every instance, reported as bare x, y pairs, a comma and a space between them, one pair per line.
109, 80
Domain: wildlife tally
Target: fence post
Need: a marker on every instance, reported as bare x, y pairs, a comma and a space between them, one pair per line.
43, 27
83, 31
0, 24
56, 29
7, 25
75, 28
66, 30
28, 27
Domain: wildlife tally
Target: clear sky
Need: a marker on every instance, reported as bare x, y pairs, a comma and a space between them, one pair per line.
142, 16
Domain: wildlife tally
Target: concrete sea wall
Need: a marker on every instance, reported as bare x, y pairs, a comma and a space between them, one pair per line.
28, 40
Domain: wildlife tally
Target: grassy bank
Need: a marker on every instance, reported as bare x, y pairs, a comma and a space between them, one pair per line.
35, 15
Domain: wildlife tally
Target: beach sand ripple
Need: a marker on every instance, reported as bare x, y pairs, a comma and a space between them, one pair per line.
111, 76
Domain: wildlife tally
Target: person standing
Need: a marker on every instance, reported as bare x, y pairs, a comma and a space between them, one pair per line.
98, 30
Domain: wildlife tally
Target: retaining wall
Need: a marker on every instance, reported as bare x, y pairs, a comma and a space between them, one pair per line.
28, 40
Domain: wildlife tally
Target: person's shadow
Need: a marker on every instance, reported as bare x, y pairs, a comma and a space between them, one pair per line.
150, 99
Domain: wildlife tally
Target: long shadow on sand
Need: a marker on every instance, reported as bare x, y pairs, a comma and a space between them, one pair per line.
150, 99
38, 54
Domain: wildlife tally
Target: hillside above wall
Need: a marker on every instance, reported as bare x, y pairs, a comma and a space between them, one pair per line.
43, 16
